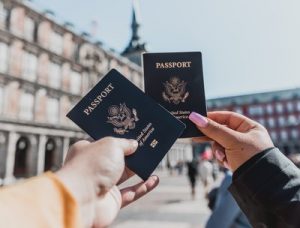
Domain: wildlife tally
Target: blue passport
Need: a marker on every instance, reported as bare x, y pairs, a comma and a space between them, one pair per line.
175, 81
116, 107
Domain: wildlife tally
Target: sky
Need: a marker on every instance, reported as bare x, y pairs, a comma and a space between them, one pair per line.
247, 46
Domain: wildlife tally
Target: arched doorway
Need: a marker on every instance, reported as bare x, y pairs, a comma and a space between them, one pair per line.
21, 166
49, 154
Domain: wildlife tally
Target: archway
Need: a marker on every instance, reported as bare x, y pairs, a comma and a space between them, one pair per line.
49, 154
21, 166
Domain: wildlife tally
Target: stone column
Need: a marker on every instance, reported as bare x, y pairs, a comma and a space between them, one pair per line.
41, 154
10, 159
66, 143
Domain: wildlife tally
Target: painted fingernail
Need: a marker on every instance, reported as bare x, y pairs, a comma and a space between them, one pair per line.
198, 119
219, 155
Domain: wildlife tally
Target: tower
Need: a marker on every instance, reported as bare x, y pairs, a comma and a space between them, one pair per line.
135, 47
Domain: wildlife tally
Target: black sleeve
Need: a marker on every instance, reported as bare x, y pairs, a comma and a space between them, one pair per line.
267, 189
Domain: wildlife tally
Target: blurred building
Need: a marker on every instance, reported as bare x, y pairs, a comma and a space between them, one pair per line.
278, 111
45, 68
135, 46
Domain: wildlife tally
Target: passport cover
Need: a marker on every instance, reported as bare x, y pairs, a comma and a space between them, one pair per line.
175, 80
116, 107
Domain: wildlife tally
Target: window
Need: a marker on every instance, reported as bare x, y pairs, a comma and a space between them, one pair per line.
281, 121
29, 28
270, 109
290, 106
3, 15
75, 83
279, 108
238, 110
26, 106
292, 120
17, 17
3, 57
274, 135
283, 134
52, 110
256, 110
298, 106
262, 121
56, 43
271, 122
1, 99
15, 58
29, 66
295, 133
55, 75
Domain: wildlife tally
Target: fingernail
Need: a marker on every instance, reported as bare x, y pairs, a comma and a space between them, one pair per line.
198, 119
134, 143
220, 155
153, 180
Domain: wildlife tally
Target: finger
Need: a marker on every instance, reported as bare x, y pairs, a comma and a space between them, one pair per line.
81, 143
132, 193
76, 148
201, 139
219, 152
218, 132
232, 120
126, 175
129, 146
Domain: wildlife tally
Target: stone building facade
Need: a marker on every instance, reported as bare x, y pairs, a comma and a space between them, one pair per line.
45, 68
278, 111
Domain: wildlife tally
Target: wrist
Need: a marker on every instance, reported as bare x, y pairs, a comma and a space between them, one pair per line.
80, 187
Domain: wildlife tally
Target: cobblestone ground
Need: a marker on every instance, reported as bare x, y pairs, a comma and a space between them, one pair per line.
168, 206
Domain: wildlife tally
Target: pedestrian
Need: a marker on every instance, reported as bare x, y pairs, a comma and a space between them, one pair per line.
192, 171
206, 169
225, 212
83, 193
265, 183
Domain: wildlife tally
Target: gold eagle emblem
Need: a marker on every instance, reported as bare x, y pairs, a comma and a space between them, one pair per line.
175, 91
122, 118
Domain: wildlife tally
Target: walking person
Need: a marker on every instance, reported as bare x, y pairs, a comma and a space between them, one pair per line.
192, 171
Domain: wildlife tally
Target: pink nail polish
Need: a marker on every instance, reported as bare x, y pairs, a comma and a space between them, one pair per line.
220, 155
198, 119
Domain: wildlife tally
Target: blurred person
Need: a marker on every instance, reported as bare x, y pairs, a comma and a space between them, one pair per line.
215, 170
83, 193
192, 171
265, 183
225, 211
206, 169
179, 167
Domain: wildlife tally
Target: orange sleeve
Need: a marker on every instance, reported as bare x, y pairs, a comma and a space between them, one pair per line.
39, 202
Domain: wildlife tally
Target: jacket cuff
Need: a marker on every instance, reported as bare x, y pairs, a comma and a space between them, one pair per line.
254, 174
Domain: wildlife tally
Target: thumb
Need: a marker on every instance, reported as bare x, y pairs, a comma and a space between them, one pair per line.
128, 146
218, 132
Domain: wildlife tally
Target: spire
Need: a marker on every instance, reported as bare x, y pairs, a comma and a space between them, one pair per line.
135, 24
135, 47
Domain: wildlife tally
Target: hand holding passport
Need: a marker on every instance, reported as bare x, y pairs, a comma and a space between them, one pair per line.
116, 107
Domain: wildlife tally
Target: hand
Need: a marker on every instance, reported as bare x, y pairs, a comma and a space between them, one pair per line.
236, 137
91, 172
